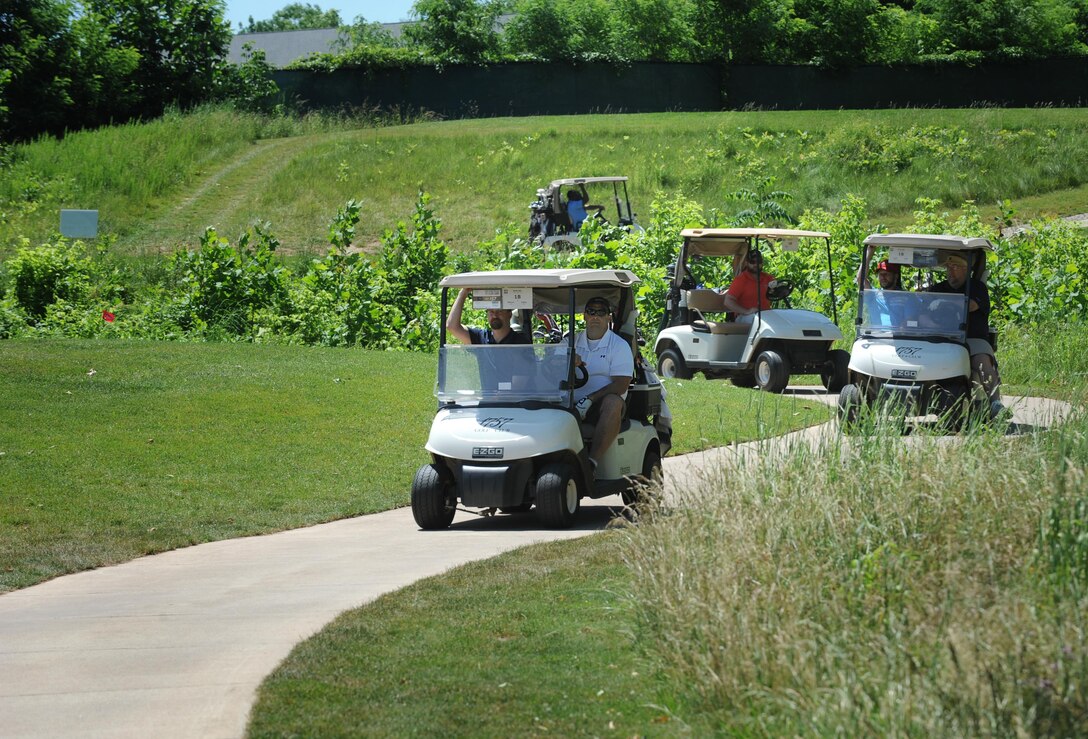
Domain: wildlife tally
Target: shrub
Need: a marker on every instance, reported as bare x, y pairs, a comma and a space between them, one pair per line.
51, 272
221, 286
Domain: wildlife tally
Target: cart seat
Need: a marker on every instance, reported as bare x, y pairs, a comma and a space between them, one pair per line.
701, 301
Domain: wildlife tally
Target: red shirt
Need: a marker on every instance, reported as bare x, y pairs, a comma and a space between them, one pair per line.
744, 290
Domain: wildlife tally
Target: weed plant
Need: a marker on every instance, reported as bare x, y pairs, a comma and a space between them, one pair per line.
876, 587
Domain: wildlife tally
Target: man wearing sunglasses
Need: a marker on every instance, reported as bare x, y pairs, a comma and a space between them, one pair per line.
748, 292
610, 364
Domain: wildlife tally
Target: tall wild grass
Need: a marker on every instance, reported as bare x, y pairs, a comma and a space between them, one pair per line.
874, 587
483, 173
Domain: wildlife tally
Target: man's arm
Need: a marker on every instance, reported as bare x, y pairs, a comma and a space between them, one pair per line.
453, 320
730, 300
618, 386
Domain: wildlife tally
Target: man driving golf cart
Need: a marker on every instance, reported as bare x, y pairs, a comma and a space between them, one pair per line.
929, 351
559, 210
509, 435
772, 340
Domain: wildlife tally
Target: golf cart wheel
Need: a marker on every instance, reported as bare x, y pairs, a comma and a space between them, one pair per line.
557, 495
670, 363
772, 371
850, 404
652, 473
836, 371
432, 507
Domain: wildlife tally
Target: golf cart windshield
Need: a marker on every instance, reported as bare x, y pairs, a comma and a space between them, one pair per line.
887, 313
503, 373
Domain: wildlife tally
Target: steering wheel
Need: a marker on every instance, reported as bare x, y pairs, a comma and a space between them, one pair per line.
779, 289
581, 377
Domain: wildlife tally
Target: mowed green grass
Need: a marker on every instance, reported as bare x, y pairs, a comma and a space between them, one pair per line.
535, 642
110, 450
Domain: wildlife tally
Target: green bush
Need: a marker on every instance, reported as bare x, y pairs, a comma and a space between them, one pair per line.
51, 272
222, 286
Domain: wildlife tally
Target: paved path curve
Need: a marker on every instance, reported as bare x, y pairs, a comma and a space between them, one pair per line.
176, 644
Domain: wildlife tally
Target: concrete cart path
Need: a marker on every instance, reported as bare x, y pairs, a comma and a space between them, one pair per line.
176, 644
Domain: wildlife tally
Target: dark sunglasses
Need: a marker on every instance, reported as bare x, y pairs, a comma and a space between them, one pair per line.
596, 311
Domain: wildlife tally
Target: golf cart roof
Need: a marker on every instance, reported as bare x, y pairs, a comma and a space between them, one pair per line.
929, 241
743, 234
585, 181
543, 278
732, 241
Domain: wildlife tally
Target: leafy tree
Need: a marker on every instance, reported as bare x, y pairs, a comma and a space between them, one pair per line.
1007, 28
37, 50
840, 32
535, 30
364, 33
182, 46
251, 86
456, 30
741, 31
294, 17
654, 29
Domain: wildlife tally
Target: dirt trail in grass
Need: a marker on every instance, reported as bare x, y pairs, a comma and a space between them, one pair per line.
223, 196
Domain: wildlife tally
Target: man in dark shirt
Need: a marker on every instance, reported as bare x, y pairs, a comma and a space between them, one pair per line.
500, 371
983, 364
498, 322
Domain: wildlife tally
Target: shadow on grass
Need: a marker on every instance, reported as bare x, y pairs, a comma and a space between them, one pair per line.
593, 516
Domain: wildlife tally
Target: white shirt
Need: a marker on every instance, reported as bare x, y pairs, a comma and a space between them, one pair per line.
607, 357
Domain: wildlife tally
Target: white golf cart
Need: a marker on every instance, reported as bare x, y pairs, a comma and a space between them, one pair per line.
697, 334
911, 357
603, 197
507, 437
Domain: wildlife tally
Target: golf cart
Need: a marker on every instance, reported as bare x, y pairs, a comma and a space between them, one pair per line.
911, 355
698, 335
549, 222
507, 436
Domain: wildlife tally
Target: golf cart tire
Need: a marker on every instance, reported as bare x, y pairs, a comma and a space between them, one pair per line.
772, 371
652, 472
431, 507
837, 372
670, 363
850, 404
557, 495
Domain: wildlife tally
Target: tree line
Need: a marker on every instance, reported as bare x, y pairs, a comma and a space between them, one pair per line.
71, 64
819, 32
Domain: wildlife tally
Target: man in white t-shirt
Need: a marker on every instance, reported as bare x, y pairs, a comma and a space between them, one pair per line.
611, 365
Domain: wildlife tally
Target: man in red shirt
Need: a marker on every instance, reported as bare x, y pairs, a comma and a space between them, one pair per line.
748, 293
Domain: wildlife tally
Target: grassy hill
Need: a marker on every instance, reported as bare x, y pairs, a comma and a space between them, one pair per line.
157, 185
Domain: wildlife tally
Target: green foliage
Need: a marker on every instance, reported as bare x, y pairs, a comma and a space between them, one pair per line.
51, 272
250, 86
293, 17
456, 30
412, 261
222, 288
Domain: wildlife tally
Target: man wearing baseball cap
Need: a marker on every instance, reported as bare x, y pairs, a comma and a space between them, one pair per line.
983, 362
890, 276
611, 365
747, 294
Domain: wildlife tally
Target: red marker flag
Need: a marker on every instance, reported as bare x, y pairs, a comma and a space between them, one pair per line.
107, 316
